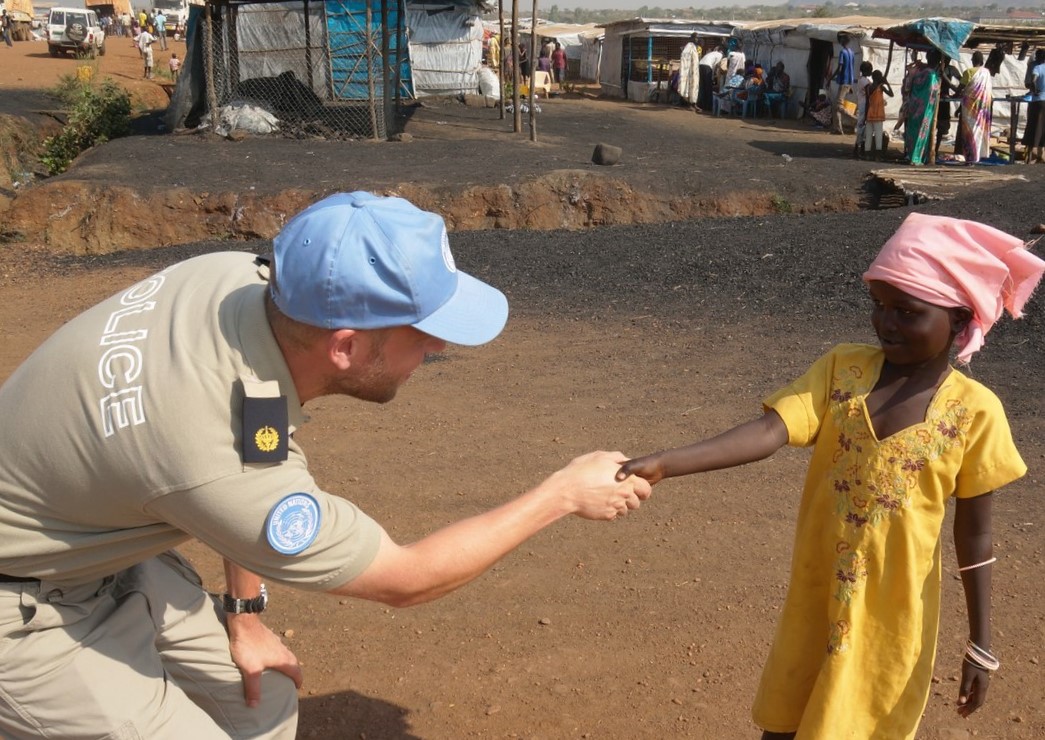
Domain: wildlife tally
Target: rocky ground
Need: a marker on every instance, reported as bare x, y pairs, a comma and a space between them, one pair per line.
663, 326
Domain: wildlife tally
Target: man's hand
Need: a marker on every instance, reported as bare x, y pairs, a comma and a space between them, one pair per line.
595, 492
972, 692
255, 648
648, 468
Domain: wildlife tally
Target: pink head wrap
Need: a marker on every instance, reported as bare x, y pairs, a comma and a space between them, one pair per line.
950, 263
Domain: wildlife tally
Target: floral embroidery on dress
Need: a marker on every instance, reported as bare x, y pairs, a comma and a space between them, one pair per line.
870, 488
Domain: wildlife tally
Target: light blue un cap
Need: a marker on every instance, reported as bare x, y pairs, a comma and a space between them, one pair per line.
363, 261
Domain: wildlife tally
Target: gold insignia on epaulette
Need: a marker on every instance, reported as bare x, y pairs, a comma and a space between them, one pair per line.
266, 439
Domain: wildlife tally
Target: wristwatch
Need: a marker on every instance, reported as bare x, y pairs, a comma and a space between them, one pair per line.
246, 606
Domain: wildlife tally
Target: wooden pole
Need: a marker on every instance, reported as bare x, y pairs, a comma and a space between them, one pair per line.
386, 72
208, 68
308, 50
500, 55
516, 113
533, 73
368, 39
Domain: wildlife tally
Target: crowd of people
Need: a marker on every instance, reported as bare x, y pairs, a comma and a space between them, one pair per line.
146, 30
934, 96
551, 60
722, 80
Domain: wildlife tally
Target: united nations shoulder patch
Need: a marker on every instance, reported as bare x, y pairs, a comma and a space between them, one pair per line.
293, 524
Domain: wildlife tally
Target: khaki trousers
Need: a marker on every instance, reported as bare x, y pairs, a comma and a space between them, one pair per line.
142, 654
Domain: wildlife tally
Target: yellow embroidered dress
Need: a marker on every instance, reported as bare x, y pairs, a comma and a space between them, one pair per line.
854, 649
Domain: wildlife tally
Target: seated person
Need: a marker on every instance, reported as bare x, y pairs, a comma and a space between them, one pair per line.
778, 80
778, 86
820, 110
725, 95
752, 86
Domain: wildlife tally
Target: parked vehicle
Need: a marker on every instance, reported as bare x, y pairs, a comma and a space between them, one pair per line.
76, 30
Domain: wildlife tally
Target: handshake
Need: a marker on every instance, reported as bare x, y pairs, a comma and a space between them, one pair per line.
600, 485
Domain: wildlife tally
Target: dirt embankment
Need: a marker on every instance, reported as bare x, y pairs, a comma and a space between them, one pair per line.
160, 188
92, 218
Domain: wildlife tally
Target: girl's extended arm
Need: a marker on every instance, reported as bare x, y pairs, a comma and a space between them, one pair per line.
972, 544
751, 441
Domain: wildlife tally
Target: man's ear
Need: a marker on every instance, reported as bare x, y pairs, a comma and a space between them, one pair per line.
343, 348
960, 318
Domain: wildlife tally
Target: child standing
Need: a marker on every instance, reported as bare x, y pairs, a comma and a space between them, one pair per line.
175, 64
874, 113
145, 42
861, 106
896, 432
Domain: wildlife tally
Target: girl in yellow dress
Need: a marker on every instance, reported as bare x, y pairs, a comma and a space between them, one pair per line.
896, 432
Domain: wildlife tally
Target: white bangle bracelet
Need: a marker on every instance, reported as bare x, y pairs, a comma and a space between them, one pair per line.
980, 658
978, 565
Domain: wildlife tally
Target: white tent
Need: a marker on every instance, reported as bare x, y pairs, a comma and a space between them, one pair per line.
446, 48
634, 49
571, 36
591, 54
804, 45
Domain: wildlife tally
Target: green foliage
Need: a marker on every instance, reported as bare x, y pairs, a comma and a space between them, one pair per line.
97, 114
781, 204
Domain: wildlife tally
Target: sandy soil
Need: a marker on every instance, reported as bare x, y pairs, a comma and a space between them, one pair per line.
629, 337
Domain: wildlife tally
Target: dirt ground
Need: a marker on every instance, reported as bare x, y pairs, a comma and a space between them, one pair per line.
641, 334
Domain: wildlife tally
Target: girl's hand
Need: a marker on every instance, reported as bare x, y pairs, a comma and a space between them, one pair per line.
973, 690
648, 467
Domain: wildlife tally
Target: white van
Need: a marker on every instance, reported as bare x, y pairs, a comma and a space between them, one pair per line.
76, 30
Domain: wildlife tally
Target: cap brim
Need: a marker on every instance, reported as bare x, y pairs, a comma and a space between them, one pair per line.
475, 314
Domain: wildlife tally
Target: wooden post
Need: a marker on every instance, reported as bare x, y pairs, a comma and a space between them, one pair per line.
308, 50
533, 72
500, 55
516, 113
400, 12
208, 68
368, 38
386, 71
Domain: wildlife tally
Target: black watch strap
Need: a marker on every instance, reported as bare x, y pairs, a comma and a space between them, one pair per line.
246, 606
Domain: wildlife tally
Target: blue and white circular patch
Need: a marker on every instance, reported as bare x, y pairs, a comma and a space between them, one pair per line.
293, 524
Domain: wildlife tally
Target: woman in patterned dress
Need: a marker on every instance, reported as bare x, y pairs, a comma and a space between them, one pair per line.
977, 96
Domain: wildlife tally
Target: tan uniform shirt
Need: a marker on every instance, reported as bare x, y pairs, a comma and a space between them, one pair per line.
121, 438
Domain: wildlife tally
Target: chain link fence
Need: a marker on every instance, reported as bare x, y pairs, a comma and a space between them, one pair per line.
317, 67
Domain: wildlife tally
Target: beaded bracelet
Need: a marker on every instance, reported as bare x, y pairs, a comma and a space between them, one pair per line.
980, 658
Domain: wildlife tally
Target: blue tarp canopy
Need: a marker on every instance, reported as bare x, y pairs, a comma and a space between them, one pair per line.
945, 34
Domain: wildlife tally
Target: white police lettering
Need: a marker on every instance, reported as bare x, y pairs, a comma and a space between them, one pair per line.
121, 364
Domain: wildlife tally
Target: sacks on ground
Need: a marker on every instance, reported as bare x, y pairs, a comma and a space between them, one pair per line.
489, 85
240, 115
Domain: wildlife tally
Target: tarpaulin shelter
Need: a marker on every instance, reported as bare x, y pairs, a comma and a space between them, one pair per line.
947, 35
957, 39
808, 46
637, 54
325, 67
572, 37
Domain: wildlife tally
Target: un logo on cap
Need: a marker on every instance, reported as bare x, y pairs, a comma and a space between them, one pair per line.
447, 257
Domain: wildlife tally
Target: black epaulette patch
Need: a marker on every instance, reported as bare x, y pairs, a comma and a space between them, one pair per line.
265, 429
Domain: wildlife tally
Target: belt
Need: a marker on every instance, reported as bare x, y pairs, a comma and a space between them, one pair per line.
16, 579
